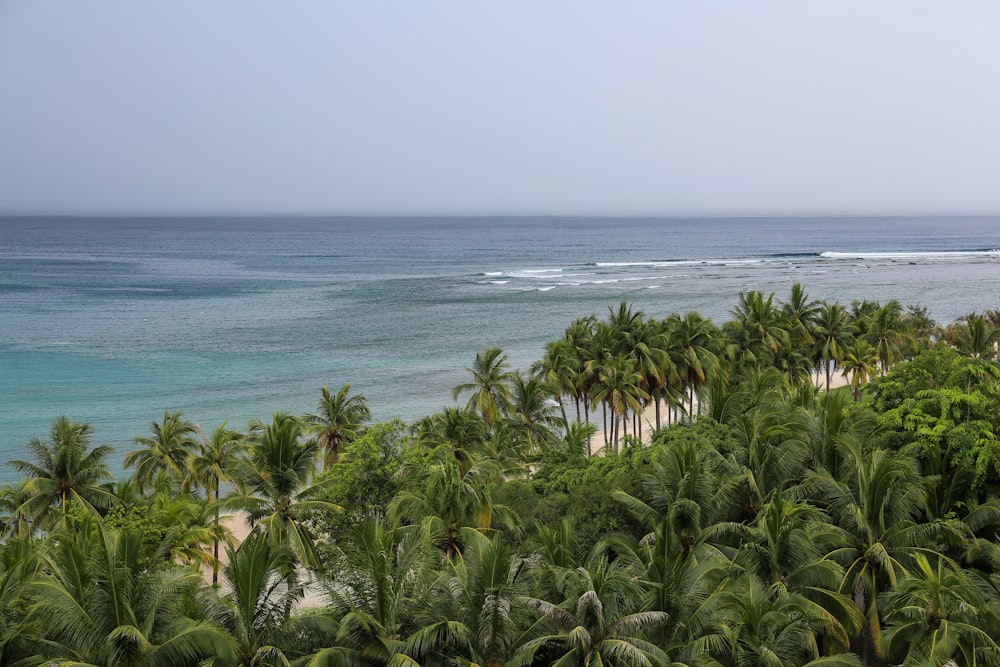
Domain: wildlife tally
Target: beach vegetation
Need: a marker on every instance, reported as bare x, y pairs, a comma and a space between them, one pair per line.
653, 491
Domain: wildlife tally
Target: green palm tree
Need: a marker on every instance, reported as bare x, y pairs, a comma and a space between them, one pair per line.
533, 413
277, 473
886, 332
619, 388
102, 604
785, 549
475, 611
256, 611
559, 367
173, 440
211, 467
490, 386
450, 506
698, 361
337, 421
757, 331
19, 564
938, 615
974, 336
860, 364
762, 630
461, 431
877, 502
67, 473
383, 576
834, 335
598, 624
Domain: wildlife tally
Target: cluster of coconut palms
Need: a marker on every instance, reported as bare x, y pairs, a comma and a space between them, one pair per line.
620, 366
764, 521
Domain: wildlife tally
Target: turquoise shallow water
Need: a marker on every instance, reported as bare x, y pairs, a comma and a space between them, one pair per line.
237, 318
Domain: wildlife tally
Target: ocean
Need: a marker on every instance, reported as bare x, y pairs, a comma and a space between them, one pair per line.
114, 320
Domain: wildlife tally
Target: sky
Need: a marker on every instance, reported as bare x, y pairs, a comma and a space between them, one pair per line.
474, 107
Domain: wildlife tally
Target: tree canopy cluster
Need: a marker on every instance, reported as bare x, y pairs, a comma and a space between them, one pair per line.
651, 492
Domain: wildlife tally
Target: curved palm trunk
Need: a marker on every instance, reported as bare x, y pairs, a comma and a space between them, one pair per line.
215, 539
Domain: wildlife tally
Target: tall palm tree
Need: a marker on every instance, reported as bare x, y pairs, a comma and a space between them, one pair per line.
757, 331
559, 367
876, 502
766, 630
491, 385
887, 333
619, 388
277, 473
173, 440
212, 466
383, 574
860, 364
102, 605
533, 413
834, 334
698, 360
66, 473
19, 563
337, 421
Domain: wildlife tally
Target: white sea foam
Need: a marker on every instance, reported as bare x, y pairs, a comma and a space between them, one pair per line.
941, 254
492, 273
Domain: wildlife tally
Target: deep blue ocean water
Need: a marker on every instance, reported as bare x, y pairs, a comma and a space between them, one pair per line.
112, 321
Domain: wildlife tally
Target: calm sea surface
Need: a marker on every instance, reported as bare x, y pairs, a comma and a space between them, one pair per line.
114, 320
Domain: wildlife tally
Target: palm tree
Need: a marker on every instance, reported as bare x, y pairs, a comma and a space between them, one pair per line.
259, 576
598, 624
67, 473
860, 364
559, 367
974, 336
212, 467
761, 629
172, 442
337, 421
785, 548
533, 412
757, 331
102, 605
451, 504
938, 615
887, 333
619, 388
698, 361
383, 572
876, 502
277, 472
834, 334
475, 609
490, 387
19, 564
459, 430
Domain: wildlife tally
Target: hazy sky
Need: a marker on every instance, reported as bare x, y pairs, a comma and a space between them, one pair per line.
505, 107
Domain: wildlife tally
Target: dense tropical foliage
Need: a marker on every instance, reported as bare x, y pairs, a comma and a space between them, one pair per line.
650, 492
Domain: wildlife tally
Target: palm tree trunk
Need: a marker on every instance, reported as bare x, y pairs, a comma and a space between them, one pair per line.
562, 409
604, 414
